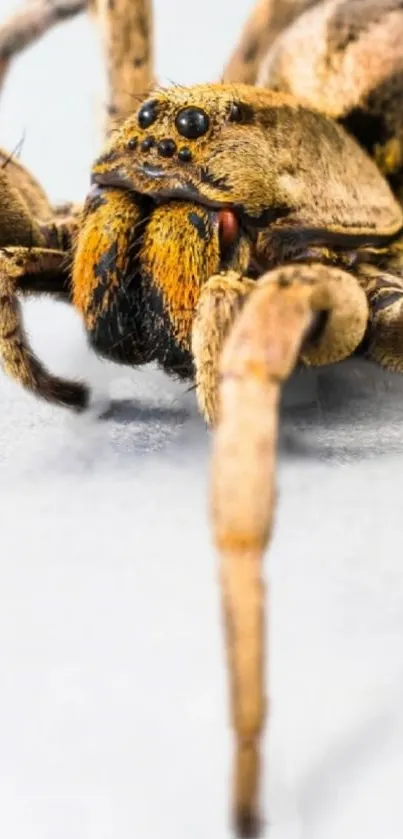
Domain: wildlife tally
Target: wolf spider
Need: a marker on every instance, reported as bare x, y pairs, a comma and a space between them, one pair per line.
232, 231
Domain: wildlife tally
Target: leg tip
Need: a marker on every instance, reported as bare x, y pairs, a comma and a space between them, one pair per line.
248, 825
73, 395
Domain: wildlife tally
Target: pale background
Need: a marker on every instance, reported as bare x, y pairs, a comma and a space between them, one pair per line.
113, 718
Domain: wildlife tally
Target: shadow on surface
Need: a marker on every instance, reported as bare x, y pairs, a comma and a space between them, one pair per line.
349, 411
126, 411
342, 413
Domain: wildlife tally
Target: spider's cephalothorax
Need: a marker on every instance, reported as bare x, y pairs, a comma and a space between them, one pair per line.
243, 199
230, 232
253, 151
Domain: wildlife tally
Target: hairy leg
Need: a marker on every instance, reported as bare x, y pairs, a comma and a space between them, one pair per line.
351, 71
318, 313
26, 26
220, 301
267, 20
384, 341
19, 226
128, 40
61, 231
354, 51
33, 271
16, 180
22, 180
30, 23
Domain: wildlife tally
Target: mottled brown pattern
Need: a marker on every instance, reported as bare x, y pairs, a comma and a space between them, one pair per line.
352, 70
231, 232
268, 19
28, 271
352, 18
25, 183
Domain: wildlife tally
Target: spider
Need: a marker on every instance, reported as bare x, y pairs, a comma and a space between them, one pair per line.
232, 231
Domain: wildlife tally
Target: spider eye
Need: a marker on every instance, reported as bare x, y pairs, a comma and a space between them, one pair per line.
192, 123
184, 154
147, 113
166, 148
235, 113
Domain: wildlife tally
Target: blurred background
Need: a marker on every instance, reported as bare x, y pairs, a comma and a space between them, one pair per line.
113, 696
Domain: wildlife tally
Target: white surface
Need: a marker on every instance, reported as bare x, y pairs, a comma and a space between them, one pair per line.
113, 717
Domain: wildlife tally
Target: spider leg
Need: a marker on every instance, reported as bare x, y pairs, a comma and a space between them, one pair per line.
67, 209
330, 78
318, 313
60, 232
17, 177
30, 23
384, 340
33, 271
266, 21
27, 25
220, 300
24, 182
128, 41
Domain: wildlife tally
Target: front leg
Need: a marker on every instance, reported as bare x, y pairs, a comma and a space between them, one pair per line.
384, 339
223, 297
128, 41
30, 271
30, 23
220, 301
267, 20
60, 231
311, 311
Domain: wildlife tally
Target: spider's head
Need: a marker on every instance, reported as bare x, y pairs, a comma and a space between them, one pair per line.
204, 144
258, 154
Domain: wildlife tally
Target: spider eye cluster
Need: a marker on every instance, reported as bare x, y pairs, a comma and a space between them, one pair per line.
190, 122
